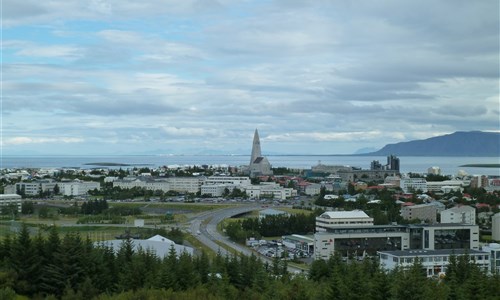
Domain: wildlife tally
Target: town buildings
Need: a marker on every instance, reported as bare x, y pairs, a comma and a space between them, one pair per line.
177, 184
338, 219
409, 185
353, 234
459, 214
423, 212
495, 227
493, 249
434, 262
13, 200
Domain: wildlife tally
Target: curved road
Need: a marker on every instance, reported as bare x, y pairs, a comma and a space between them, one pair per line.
207, 233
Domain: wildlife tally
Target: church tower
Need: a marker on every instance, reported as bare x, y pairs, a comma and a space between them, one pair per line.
259, 165
256, 152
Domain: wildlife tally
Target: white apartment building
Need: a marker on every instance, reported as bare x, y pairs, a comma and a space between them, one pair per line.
493, 249
178, 184
269, 190
186, 184
228, 180
445, 186
459, 214
78, 188
149, 184
215, 190
409, 185
434, 262
424, 212
10, 199
28, 188
33, 188
336, 219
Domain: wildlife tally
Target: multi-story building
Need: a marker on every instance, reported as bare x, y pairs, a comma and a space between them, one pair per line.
445, 186
479, 181
434, 262
360, 240
215, 190
459, 214
493, 249
269, 189
409, 185
10, 199
78, 188
33, 188
28, 188
142, 182
177, 184
392, 163
186, 184
228, 180
495, 227
423, 212
337, 219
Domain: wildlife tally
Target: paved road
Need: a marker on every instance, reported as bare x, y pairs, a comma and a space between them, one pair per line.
207, 233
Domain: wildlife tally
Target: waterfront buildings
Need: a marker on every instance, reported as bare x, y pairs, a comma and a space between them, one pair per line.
392, 164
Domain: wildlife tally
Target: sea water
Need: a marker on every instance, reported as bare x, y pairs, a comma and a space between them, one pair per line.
416, 164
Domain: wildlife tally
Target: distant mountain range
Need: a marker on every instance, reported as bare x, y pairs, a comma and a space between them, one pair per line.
460, 143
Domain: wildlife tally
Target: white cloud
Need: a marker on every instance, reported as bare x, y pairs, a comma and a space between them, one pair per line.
207, 73
20, 140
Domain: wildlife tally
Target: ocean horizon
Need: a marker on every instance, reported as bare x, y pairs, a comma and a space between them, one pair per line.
418, 164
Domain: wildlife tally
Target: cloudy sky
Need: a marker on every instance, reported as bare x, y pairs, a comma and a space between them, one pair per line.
199, 76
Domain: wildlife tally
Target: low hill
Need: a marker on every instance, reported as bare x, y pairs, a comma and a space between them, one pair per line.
471, 143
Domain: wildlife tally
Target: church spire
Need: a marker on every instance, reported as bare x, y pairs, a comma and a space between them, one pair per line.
256, 152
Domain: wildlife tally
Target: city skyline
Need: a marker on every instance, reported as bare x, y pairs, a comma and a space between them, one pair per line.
329, 77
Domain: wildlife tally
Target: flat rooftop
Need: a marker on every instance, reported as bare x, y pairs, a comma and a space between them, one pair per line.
344, 214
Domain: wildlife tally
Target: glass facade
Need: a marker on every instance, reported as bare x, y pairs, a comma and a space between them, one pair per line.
369, 246
451, 238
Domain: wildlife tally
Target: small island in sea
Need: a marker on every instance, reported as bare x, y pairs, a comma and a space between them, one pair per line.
107, 164
481, 165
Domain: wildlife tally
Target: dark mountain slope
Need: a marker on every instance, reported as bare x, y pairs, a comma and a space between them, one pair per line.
472, 143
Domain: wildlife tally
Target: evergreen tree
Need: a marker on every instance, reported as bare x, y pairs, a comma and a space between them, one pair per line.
24, 260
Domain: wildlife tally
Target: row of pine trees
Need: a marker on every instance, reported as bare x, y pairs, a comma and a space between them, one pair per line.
68, 266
